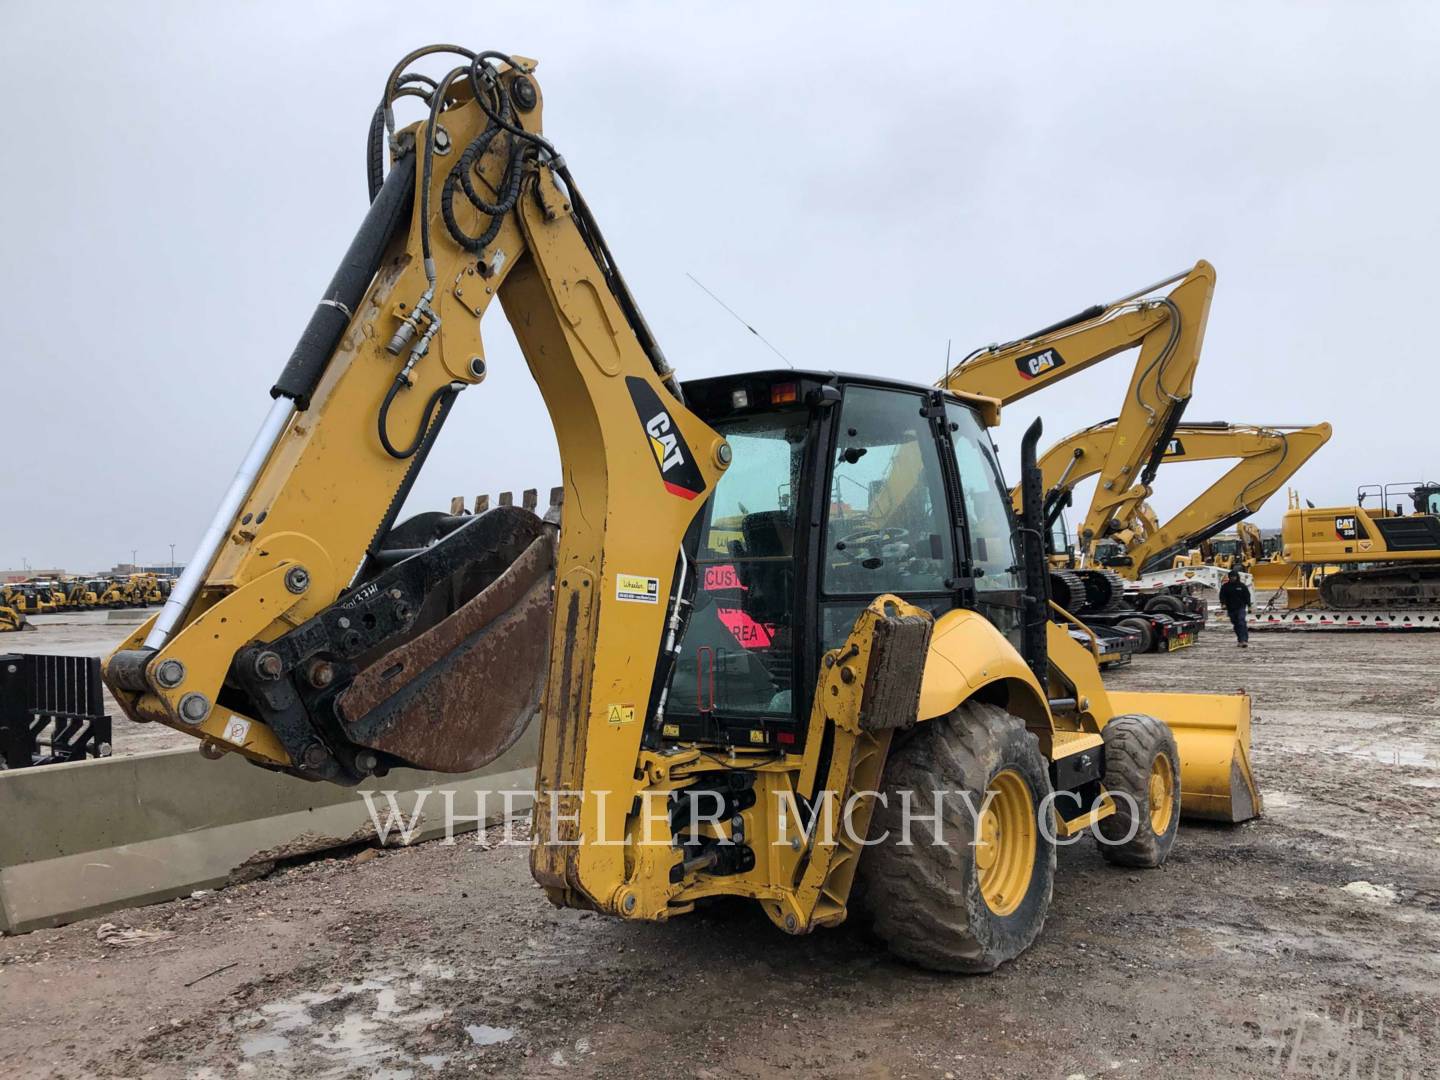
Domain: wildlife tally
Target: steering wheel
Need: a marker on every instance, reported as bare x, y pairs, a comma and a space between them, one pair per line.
873, 536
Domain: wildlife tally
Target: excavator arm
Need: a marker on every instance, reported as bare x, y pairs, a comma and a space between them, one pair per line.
1168, 330
1264, 459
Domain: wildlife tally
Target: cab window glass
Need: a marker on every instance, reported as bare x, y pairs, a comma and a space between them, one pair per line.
987, 503
887, 529
737, 657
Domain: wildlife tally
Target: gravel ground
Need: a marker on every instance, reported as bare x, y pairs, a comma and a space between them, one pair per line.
1301, 944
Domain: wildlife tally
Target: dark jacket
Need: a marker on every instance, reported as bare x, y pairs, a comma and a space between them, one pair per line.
1234, 595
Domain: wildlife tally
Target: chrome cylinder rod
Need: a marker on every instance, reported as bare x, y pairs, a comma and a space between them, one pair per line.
198, 567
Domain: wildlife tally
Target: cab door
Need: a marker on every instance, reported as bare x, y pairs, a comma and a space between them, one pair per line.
987, 530
887, 524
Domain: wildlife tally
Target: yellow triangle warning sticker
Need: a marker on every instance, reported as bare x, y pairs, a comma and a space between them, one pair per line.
621, 714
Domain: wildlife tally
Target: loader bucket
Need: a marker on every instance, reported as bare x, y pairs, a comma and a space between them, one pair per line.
1212, 732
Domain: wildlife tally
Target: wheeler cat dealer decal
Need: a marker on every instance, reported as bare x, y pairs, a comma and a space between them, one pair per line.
1039, 363
637, 589
678, 473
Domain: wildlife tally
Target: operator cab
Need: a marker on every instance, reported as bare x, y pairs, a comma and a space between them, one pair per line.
1427, 499
841, 488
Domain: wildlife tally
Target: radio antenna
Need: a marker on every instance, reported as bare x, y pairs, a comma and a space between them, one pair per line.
741, 321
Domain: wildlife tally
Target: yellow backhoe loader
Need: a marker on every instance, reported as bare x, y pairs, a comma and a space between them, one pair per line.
27, 598
1242, 549
746, 677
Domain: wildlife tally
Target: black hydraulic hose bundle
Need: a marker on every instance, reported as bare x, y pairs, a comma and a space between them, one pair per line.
494, 99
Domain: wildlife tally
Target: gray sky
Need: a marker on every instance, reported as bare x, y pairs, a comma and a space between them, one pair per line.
862, 182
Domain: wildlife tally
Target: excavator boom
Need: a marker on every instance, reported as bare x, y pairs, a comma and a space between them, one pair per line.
1265, 457
1169, 332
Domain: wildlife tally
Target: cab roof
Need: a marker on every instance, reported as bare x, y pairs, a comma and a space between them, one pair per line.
987, 407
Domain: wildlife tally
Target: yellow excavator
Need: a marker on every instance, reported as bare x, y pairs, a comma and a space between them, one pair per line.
1264, 456
1380, 556
1168, 330
747, 683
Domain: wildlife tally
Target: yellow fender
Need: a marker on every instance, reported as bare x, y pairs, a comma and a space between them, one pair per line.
969, 656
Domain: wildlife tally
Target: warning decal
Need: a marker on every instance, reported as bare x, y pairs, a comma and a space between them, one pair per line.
237, 730
620, 714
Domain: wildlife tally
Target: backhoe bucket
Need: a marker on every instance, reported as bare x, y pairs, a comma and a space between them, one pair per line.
1212, 732
457, 695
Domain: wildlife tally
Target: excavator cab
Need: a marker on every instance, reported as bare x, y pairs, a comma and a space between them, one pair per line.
841, 489
1427, 499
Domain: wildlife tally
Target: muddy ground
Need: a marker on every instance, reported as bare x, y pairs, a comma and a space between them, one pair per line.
1306, 943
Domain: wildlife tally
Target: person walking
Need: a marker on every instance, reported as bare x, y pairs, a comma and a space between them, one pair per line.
1235, 598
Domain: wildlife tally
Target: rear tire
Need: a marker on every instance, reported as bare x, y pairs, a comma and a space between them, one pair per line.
1142, 628
1141, 761
942, 901
1165, 604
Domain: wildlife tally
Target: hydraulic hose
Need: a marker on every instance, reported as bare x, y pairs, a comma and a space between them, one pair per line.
427, 416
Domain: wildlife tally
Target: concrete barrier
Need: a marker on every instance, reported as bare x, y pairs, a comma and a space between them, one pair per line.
85, 838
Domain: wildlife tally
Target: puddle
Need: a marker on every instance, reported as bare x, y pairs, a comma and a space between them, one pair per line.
349, 1026
1388, 755
264, 1044
485, 1035
1282, 800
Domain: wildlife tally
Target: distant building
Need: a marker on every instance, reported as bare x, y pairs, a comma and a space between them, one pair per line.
125, 569
8, 576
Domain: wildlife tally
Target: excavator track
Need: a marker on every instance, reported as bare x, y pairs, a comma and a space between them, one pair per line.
1067, 588
1386, 587
1104, 591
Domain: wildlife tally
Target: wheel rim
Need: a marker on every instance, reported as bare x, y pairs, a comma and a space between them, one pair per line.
1161, 793
1005, 844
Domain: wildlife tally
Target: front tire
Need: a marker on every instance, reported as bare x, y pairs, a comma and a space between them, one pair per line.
957, 901
1143, 763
